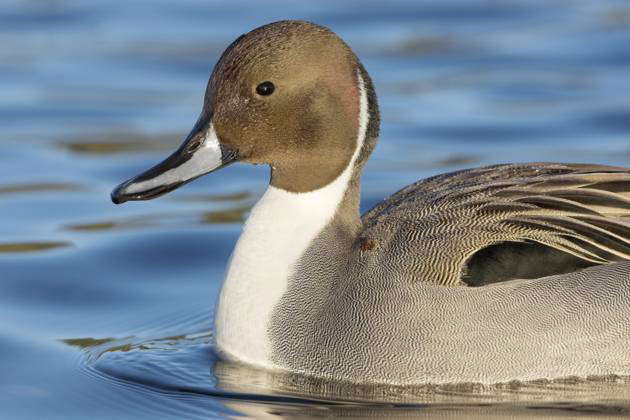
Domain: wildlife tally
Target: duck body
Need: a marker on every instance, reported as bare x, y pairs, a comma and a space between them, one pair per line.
364, 305
392, 330
410, 328
509, 272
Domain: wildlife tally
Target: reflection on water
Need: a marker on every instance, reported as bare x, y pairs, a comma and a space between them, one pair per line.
39, 187
120, 143
94, 92
96, 226
181, 365
87, 342
235, 197
227, 215
19, 247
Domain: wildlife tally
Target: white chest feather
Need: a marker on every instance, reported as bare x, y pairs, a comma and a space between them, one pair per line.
281, 226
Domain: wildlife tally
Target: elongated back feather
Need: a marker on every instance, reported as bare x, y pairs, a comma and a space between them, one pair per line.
570, 215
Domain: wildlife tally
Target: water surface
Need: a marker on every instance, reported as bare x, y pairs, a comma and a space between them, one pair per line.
106, 311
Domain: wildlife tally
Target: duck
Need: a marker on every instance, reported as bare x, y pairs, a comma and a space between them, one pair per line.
494, 274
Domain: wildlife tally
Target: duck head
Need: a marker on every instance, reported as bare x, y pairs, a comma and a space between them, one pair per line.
286, 94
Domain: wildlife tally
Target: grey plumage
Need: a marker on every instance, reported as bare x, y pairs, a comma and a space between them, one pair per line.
389, 302
435, 227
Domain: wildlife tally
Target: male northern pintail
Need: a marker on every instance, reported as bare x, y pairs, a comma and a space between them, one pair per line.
508, 272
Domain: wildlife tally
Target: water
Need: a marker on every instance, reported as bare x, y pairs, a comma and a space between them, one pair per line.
106, 311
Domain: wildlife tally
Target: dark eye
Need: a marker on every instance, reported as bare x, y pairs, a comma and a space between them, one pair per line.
265, 88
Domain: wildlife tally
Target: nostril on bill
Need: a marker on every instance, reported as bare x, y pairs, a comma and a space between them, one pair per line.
194, 145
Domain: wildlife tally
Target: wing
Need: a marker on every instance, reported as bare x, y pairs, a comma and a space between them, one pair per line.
502, 222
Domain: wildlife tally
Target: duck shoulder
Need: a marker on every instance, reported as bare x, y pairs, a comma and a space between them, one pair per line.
485, 225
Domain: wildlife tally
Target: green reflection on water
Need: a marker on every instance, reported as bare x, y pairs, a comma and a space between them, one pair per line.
231, 197
229, 215
234, 215
107, 225
39, 187
86, 342
19, 247
118, 143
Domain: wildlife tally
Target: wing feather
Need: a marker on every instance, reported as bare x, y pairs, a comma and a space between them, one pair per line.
569, 215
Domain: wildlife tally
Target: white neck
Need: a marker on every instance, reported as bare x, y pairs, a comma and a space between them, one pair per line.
281, 226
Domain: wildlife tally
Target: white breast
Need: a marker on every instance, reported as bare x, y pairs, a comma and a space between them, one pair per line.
279, 229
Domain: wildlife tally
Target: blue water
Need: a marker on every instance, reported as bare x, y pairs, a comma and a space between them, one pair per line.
105, 311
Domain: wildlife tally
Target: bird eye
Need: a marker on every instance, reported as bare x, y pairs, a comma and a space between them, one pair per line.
265, 88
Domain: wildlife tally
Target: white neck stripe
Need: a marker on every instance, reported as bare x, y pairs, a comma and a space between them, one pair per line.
280, 228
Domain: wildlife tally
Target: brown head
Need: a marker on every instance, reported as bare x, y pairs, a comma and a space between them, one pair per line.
286, 94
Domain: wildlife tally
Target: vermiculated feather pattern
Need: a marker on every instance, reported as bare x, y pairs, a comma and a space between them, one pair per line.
435, 226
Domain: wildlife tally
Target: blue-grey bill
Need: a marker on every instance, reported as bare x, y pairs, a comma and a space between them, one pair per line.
201, 153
